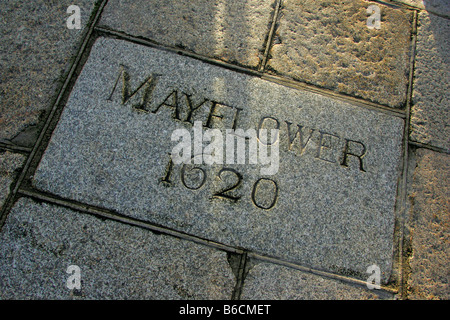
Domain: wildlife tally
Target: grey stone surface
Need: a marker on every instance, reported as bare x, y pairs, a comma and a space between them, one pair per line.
441, 7
328, 213
327, 43
36, 50
430, 227
40, 241
431, 95
10, 164
266, 281
233, 31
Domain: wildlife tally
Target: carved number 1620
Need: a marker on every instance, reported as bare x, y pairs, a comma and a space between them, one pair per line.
225, 192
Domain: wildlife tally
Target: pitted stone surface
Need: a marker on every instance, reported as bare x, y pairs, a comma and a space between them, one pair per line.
266, 281
330, 205
430, 226
116, 261
232, 31
327, 43
431, 95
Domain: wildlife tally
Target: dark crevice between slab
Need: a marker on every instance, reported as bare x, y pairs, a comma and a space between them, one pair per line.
25, 139
353, 100
242, 263
394, 5
397, 111
429, 147
54, 116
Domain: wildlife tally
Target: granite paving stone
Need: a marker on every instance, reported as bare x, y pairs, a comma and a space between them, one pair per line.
430, 227
10, 164
330, 204
431, 92
267, 281
116, 261
329, 44
36, 51
232, 31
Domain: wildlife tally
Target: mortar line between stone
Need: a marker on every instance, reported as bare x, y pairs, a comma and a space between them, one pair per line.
404, 184
330, 275
271, 78
9, 201
111, 215
270, 36
15, 148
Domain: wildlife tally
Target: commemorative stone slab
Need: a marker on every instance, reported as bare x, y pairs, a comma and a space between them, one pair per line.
320, 190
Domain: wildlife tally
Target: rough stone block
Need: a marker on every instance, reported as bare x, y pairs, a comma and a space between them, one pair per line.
36, 51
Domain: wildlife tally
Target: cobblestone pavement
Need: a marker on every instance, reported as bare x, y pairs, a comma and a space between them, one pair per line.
347, 199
